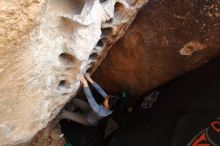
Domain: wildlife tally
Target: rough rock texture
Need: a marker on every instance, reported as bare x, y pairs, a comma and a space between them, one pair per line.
44, 46
167, 38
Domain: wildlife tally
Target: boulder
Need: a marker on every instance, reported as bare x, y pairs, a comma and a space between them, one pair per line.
167, 39
44, 46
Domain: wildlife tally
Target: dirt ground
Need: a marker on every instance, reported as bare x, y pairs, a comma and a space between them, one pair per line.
49, 136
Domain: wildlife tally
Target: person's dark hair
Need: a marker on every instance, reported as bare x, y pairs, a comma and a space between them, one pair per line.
113, 101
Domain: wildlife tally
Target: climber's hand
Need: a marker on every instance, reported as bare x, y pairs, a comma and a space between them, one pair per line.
83, 80
88, 77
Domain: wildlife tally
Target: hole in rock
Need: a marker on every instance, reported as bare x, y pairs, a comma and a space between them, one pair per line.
101, 42
67, 59
106, 31
89, 67
93, 56
102, 1
64, 84
67, 27
89, 70
65, 94
120, 12
79, 6
132, 2
110, 20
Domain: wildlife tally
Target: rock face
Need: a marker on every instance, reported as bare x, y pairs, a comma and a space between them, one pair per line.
44, 46
167, 38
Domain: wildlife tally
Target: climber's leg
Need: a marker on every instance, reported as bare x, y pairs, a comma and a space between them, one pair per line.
83, 105
79, 118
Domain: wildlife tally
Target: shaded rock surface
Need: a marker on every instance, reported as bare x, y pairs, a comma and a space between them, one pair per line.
167, 38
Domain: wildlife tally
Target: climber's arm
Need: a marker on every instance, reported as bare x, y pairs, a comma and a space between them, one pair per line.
96, 86
95, 107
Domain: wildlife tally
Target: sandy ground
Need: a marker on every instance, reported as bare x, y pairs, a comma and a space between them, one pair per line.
50, 136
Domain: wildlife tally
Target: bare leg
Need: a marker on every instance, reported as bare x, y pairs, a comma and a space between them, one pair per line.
79, 118
83, 105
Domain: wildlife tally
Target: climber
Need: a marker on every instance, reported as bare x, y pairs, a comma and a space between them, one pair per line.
93, 112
